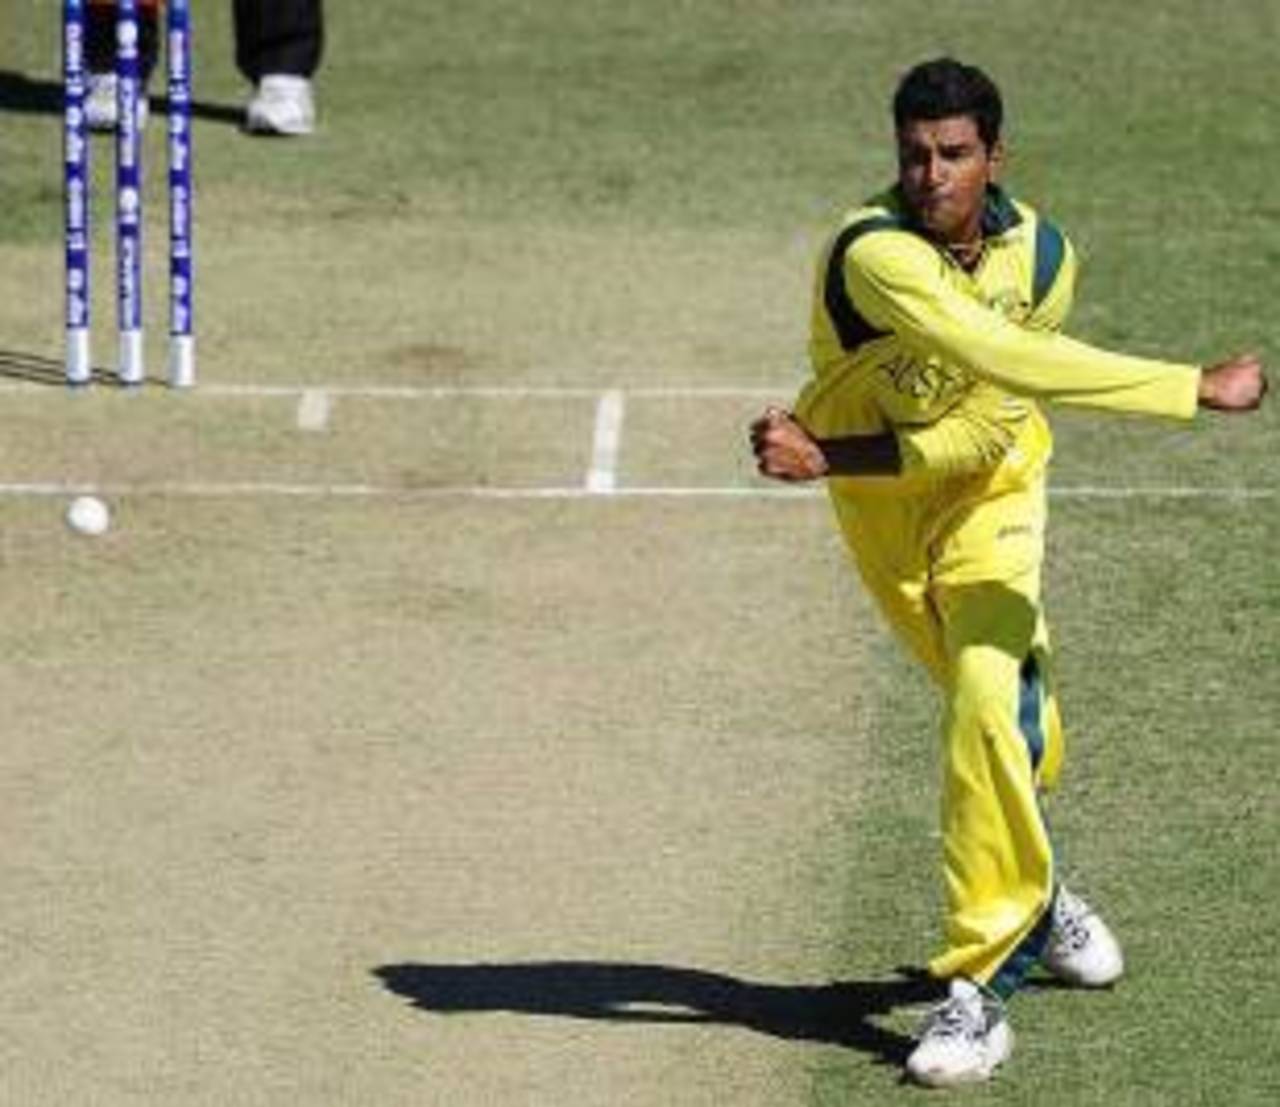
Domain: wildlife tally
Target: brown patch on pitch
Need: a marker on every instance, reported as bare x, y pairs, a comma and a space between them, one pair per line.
432, 359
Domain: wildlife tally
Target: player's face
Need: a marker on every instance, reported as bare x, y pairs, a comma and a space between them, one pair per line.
944, 168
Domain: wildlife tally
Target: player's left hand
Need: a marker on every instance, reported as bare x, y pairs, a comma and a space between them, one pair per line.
784, 449
1237, 384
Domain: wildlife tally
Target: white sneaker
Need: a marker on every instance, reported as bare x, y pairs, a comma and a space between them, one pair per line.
283, 105
1081, 949
102, 106
962, 1040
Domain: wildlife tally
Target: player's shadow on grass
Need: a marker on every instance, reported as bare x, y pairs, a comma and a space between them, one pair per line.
25, 95
839, 1013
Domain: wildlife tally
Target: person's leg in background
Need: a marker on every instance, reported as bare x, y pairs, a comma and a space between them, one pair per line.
100, 105
279, 44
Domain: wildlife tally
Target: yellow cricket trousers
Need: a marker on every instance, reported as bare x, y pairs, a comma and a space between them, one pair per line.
957, 573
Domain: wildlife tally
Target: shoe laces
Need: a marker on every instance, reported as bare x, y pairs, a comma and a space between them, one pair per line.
1071, 923
958, 1018
948, 1019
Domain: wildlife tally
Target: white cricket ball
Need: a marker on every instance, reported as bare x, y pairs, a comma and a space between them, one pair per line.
88, 515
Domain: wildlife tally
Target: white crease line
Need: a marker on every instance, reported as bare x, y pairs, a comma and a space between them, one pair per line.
606, 443
1174, 492
229, 489
404, 392
504, 391
313, 410
439, 392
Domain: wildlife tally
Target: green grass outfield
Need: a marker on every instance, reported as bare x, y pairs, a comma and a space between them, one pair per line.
371, 760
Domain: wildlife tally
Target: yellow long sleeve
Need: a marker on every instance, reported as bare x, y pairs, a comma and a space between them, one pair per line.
895, 283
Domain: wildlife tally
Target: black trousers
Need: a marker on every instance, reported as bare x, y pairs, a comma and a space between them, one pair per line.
100, 39
278, 36
272, 36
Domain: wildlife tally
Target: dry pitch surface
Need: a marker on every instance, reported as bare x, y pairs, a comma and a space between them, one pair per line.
260, 750
324, 784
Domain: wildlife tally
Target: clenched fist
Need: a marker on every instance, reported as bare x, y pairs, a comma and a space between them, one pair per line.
1237, 384
784, 449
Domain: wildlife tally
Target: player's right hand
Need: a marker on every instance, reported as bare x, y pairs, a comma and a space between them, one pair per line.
1237, 384
784, 449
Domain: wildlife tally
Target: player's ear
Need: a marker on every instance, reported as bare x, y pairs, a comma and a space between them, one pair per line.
995, 161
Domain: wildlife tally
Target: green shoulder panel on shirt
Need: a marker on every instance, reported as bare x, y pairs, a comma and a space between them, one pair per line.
1002, 215
1051, 251
850, 325
999, 212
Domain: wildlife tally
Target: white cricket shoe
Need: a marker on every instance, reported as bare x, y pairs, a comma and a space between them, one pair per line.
962, 1040
1081, 949
282, 105
102, 106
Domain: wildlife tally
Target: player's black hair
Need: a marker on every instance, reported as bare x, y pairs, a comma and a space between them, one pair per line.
945, 87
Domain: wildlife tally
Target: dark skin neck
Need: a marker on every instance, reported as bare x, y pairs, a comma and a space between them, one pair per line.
965, 249
967, 255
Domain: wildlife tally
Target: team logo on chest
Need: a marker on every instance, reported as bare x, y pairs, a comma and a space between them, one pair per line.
921, 380
1009, 303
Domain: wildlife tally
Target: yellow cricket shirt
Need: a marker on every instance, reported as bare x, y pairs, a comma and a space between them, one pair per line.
904, 339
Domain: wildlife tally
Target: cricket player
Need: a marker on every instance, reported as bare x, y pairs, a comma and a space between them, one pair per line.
935, 330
